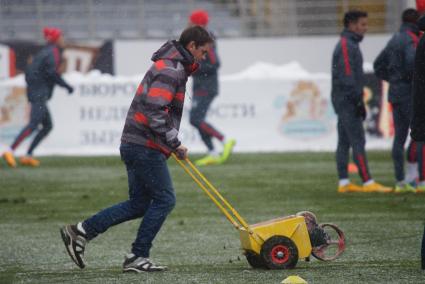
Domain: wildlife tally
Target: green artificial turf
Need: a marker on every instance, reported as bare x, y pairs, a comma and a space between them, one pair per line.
197, 243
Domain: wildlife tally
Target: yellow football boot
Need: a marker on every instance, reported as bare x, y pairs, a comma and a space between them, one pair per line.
10, 159
351, 187
376, 187
29, 161
208, 160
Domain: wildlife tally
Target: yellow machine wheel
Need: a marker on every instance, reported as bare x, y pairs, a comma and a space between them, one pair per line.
279, 252
255, 260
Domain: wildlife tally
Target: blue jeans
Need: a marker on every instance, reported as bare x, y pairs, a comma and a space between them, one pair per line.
151, 196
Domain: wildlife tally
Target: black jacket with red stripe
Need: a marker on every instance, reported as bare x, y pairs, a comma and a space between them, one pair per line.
43, 74
347, 72
396, 63
417, 124
153, 119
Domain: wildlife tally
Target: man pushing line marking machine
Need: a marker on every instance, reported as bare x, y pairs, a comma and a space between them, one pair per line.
280, 242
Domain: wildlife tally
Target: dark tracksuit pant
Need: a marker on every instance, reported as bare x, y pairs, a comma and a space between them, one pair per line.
200, 105
421, 160
401, 118
40, 116
351, 134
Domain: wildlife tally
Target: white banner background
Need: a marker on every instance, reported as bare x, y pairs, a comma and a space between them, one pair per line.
286, 114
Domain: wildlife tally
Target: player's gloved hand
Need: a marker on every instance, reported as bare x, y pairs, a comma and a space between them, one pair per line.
181, 152
70, 89
361, 110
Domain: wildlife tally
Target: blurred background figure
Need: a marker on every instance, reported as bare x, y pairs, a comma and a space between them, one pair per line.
41, 76
395, 64
347, 99
205, 89
417, 124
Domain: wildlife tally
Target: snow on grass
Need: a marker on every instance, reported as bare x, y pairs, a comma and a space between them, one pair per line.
197, 243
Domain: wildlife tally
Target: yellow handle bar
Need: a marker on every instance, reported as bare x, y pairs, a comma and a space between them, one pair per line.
213, 193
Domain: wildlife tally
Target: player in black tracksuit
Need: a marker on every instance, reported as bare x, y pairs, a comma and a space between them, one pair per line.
417, 124
41, 76
395, 64
347, 100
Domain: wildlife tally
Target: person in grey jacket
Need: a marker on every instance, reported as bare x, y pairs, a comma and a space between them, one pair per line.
149, 137
347, 100
395, 64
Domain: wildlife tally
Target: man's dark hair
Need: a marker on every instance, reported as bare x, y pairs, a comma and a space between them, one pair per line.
197, 34
410, 16
353, 16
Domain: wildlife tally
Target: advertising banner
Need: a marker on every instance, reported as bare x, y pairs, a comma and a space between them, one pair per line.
262, 113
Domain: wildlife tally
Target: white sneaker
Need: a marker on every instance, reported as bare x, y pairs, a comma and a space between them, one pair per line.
133, 263
75, 243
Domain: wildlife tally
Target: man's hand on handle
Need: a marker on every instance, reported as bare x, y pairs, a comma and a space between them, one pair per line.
181, 152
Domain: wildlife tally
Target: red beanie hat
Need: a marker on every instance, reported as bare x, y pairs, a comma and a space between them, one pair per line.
420, 6
52, 34
199, 17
